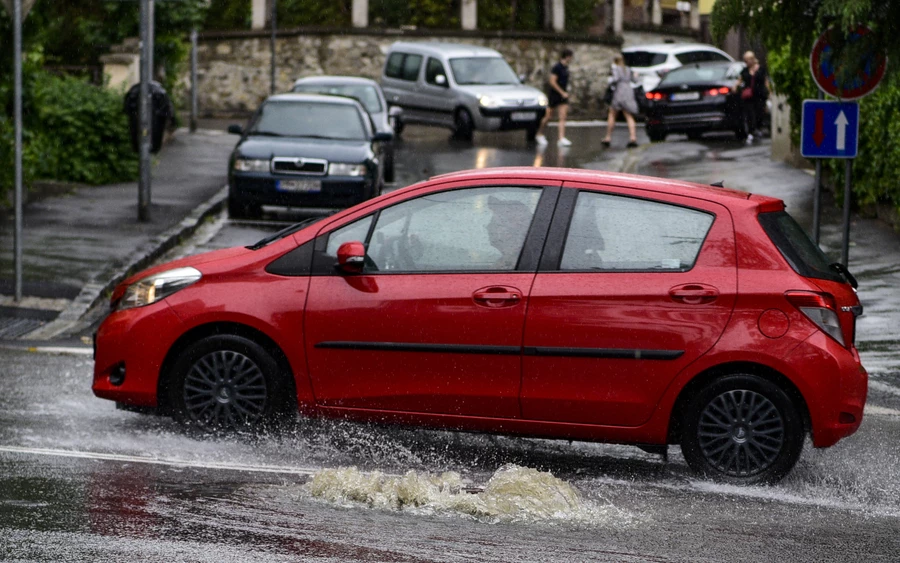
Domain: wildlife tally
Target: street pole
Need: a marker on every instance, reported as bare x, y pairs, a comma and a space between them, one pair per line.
845, 245
17, 94
193, 80
817, 193
274, 24
144, 111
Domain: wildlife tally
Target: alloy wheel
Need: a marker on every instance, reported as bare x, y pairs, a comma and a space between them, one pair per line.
225, 389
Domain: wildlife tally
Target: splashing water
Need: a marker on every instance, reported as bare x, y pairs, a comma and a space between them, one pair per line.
513, 494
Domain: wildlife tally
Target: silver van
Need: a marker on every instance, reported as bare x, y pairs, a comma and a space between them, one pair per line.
463, 87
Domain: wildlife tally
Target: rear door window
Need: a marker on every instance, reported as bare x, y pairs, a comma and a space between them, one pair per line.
411, 66
394, 67
797, 248
638, 59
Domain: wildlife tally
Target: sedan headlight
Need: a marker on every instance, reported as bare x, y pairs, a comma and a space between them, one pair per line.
251, 165
157, 286
543, 101
346, 169
489, 101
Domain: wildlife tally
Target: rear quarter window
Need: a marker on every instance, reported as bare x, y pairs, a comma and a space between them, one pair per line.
798, 249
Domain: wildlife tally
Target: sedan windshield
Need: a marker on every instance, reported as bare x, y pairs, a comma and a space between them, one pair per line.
482, 70
366, 95
699, 74
309, 119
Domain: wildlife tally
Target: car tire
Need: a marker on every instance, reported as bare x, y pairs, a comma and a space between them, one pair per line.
656, 135
398, 128
742, 429
740, 134
389, 168
695, 135
240, 210
228, 382
463, 125
531, 131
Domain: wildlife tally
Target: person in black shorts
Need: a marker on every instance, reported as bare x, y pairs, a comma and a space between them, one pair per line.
558, 99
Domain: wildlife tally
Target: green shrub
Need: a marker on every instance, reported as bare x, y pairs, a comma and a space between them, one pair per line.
326, 13
435, 14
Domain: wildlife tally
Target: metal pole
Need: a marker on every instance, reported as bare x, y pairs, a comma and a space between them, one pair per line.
274, 24
817, 193
845, 246
193, 80
144, 112
17, 95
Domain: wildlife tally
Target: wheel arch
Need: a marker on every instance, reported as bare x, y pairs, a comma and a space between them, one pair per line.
706, 377
215, 329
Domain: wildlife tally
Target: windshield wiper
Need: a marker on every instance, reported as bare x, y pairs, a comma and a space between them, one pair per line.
842, 270
284, 232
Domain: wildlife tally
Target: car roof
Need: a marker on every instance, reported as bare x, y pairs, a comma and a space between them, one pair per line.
330, 79
445, 49
648, 183
673, 48
304, 97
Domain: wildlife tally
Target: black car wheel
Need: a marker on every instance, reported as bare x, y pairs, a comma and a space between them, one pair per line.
695, 135
389, 167
531, 131
240, 210
398, 127
227, 382
742, 429
656, 135
463, 125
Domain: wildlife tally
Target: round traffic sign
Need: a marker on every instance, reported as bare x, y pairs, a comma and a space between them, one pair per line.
868, 72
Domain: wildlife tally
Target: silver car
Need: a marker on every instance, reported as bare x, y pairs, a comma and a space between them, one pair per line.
463, 87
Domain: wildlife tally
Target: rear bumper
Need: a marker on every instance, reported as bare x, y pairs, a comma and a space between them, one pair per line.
260, 189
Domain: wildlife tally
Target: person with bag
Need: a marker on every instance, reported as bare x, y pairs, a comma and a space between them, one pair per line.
622, 99
558, 99
754, 89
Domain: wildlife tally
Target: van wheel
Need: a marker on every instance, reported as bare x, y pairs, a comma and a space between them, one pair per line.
227, 382
742, 429
464, 126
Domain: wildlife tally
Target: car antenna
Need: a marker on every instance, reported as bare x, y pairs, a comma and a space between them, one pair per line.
719, 184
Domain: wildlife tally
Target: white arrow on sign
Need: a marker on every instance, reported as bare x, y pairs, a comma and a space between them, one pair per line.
26, 7
841, 122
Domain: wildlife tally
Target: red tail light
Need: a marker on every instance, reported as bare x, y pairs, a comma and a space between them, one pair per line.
718, 91
821, 309
656, 96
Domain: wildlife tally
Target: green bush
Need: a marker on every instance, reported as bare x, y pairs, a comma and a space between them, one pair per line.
326, 13
435, 14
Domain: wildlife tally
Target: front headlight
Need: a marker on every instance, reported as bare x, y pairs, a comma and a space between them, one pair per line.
251, 165
346, 169
157, 286
489, 101
543, 101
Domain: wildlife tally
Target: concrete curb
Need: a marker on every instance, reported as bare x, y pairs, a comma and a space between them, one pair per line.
105, 282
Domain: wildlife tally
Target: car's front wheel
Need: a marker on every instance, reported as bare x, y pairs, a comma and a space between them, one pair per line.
742, 429
227, 382
463, 125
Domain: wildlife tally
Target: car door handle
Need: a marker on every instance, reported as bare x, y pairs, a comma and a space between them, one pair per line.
694, 293
497, 296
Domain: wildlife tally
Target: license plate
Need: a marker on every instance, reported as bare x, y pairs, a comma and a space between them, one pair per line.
302, 186
685, 96
523, 116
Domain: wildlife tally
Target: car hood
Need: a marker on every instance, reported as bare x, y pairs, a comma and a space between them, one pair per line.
265, 148
504, 91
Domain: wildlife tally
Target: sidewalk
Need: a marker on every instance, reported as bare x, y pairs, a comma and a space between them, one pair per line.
78, 246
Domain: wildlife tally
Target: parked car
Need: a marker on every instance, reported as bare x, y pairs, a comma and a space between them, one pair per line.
305, 150
369, 94
463, 87
544, 302
652, 62
694, 99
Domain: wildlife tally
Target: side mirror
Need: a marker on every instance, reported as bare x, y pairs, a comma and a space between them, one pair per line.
395, 111
235, 129
383, 137
440, 80
351, 257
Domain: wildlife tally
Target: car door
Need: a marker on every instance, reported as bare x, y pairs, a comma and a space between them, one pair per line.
631, 289
435, 91
434, 323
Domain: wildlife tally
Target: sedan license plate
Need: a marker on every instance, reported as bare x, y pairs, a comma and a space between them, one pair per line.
523, 116
685, 96
302, 186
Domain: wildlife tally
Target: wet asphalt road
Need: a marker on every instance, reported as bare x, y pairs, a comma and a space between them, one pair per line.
141, 488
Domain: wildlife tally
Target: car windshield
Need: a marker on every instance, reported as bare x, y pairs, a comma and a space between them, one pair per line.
697, 74
265, 241
638, 59
309, 119
366, 95
482, 70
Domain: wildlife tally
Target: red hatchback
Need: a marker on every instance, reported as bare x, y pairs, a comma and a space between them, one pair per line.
535, 301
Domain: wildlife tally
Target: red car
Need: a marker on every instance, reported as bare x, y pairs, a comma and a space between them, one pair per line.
535, 301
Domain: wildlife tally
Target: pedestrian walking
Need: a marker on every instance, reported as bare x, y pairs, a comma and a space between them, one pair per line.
754, 89
558, 99
622, 100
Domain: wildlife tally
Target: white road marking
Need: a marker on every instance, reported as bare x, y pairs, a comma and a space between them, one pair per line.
73, 350
881, 411
884, 387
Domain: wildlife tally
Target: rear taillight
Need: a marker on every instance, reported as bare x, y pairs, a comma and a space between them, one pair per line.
656, 96
718, 91
821, 309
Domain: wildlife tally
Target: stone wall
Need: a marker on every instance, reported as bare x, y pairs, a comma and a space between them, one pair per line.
234, 68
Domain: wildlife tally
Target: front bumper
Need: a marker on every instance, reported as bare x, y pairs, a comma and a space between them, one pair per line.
251, 188
508, 118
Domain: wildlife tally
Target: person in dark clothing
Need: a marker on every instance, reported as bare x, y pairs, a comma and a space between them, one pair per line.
558, 99
753, 87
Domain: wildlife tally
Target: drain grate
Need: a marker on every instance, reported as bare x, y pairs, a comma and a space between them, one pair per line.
16, 322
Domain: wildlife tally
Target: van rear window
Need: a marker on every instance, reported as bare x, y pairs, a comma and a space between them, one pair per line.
797, 248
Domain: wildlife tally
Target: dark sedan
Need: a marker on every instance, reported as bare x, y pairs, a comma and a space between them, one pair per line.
369, 94
694, 99
305, 150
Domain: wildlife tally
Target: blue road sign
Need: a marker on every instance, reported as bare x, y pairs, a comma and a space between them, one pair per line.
830, 129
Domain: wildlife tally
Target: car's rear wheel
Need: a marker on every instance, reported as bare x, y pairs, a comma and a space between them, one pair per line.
227, 382
742, 429
656, 135
463, 125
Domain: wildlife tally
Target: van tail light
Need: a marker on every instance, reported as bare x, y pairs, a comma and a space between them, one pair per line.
821, 309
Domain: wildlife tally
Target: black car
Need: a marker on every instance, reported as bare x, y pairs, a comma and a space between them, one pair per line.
305, 150
386, 119
694, 99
